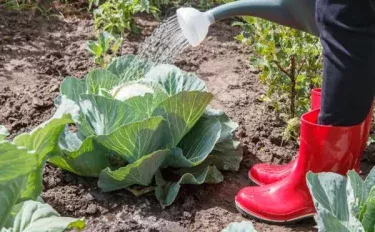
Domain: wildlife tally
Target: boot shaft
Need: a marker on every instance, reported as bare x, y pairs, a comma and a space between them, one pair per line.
327, 148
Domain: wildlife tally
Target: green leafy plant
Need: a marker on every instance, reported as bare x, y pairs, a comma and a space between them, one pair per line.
290, 62
244, 226
138, 123
105, 48
21, 163
117, 16
343, 204
200, 4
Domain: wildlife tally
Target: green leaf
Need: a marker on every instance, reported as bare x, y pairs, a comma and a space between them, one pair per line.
94, 48
197, 144
368, 220
182, 111
72, 88
330, 223
15, 166
228, 126
99, 78
174, 80
244, 226
166, 192
43, 142
357, 193
67, 106
82, 157
145, 105
329, 192
105, 39
102, 116
37, 217
129, 67
3, 132
10, 192
227, 155
141, 172
135, 140
370, 180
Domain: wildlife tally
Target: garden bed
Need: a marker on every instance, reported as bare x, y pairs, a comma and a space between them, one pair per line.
36, 53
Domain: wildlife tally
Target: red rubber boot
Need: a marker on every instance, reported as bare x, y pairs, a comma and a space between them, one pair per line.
322, 149
264, 173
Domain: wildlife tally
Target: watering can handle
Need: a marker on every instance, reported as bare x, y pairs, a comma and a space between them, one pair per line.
297, 14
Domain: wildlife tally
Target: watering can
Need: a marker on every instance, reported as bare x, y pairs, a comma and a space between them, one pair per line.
297, 14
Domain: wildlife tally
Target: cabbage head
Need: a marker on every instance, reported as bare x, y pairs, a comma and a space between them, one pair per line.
144, 127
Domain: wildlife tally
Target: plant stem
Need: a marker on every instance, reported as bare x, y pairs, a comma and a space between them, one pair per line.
293, 87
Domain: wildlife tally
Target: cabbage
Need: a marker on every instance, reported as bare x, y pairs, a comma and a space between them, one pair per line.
142, 125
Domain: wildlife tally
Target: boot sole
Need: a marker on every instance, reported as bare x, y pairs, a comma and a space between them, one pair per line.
251, 215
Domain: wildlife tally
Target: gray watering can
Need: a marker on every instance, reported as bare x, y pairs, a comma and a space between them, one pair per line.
297, 14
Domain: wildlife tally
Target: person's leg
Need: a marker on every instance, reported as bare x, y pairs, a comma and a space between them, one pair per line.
347, 33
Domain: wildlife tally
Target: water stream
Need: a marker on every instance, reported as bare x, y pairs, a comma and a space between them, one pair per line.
165, 43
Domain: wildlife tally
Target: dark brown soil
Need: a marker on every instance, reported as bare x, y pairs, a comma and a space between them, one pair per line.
35, 55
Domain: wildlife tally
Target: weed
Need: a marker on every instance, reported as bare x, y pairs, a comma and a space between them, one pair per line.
105, 48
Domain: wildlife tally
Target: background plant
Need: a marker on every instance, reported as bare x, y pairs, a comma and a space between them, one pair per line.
117, 16
290, 62
343, 204
105, 48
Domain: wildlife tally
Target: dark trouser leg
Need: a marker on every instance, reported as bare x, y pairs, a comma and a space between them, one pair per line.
347, 29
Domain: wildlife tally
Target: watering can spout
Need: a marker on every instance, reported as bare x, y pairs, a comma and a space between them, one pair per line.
297, 14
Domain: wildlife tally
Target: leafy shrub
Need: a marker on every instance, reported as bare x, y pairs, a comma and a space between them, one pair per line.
137, 122
21, 165
200, 4
105, 48
290, 62
116, 16
343, 204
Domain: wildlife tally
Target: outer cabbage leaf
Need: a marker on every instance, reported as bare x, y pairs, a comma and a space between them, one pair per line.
227, 153
129, 68
244, 226
368, 218
329, 191
43, 142
145, 105
37, 217
370, 180
135, 140
72, 88
328, 222
3, 132
357, 193
102, 116
83, 157
196, 145
15, 166
140, 173
174, 80
100, 79
182, 111
166, 192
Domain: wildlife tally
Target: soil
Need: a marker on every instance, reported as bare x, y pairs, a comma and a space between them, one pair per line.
36, 53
